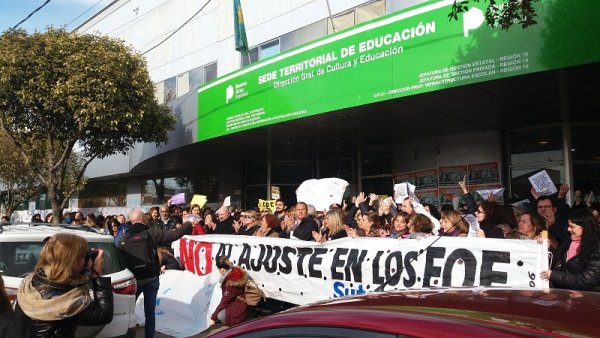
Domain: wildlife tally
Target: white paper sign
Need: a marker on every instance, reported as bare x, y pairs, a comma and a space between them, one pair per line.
404, 190
542, 183
400, 192
227, 201
473, 225
485, 194
321, 193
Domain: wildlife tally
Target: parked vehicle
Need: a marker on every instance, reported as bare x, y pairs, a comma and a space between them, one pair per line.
435, 313
20, 246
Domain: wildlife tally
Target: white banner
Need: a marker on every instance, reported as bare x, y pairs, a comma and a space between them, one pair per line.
184, 303
302, 272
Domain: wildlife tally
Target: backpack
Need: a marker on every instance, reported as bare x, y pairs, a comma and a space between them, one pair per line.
253, 294
139, 252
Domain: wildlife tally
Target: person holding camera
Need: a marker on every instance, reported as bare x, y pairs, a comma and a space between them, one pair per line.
56, 295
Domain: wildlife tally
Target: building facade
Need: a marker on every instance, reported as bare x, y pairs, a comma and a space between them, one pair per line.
373, 92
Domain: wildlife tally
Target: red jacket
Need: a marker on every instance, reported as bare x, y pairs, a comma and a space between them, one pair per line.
198, 229
233, 301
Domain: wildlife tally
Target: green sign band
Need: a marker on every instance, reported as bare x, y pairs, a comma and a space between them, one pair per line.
409, 52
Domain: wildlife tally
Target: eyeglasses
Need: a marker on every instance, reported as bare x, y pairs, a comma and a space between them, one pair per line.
246, 216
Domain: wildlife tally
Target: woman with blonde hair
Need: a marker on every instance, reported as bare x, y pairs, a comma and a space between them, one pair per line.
453, 225
56, 295
334, 227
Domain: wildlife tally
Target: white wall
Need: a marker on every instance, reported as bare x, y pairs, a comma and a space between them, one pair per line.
207, 37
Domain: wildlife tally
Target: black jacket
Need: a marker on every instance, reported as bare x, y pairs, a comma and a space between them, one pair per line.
98, 312
572, 274
225, 227
163, 237
304, 230
160, 225
15, 325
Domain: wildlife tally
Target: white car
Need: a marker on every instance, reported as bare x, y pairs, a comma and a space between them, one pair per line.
20, 246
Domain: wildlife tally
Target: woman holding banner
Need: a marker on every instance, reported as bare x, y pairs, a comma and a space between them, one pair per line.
577, 264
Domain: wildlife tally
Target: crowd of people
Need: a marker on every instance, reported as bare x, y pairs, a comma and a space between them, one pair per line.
573, 234
573, 239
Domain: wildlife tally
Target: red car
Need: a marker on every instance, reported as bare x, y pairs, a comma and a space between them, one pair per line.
440, 313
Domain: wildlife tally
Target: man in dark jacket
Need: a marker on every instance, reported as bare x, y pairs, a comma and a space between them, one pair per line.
164, 222
306, 223
149, 285
225, 224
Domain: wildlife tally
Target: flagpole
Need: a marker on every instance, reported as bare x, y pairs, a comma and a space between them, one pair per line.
330, 16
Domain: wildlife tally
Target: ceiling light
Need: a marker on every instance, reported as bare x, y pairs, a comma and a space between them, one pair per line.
543, 142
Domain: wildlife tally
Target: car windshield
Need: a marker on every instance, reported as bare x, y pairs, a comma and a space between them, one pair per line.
19, 258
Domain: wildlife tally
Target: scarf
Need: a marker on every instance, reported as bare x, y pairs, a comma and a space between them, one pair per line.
60, 307
573, 248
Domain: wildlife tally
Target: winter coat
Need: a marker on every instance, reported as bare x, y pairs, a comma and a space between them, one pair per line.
198, 229
491, 229
57, 309
233, 291
15, 325
572, 274
304, 230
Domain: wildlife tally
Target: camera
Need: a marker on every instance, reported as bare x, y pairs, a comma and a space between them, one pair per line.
91, 255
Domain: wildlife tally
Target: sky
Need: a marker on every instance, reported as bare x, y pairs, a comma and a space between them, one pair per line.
56, 13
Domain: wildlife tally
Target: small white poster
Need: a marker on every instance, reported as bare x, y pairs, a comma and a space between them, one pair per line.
473, 225
485, 193
542, 183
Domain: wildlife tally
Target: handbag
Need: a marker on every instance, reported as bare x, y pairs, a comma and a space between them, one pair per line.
253, 294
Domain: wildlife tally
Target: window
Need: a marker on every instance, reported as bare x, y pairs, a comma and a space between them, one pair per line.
159, 190
341, 21
196, 77
377, 161
210, 72
357, 15
252, 57
291, 172
202, 74
261, 52
268, 49
370, 11
532, 150
103, 194
304, 35
586, 160
170, 91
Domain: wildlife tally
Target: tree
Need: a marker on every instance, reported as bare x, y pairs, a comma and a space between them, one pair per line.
501, 14
17, 181
59, 88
